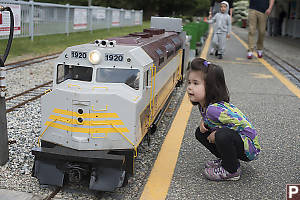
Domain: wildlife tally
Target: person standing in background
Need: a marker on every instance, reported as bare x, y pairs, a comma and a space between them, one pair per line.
273, 21
259, 10
222, 29
215, 8
282, 16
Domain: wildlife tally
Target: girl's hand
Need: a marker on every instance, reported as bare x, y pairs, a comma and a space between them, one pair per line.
227, 36
211, 137
202, 127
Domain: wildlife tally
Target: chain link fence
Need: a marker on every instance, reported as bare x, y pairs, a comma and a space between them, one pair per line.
34, 18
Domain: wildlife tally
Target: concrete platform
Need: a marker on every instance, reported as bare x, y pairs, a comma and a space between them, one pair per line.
273, 110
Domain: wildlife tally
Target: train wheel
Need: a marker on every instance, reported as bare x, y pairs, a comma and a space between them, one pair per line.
153, 128
179, 83
125, 182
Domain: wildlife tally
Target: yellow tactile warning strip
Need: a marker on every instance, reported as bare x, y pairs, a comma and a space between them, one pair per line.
162, 172
259, 75
235, 62
294, 89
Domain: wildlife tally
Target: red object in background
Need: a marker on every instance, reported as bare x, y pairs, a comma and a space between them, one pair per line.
0, 18
244, 23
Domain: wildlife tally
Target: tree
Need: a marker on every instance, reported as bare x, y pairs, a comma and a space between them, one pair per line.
150, 8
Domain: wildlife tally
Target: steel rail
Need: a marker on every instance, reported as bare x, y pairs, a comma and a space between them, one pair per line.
296, 68
284, 68
27, 100
31, 61
53, 193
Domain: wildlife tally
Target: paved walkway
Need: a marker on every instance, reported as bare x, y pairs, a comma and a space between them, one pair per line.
275, 112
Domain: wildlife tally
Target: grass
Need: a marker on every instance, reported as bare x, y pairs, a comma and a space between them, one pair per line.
24, 48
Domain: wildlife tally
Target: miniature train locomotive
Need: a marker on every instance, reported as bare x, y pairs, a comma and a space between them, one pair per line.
105, 97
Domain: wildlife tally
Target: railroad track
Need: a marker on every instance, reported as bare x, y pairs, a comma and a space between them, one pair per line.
18, 100
31, 61
291, 71
53, 193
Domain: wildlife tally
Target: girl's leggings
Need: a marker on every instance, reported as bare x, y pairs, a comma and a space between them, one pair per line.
228, 146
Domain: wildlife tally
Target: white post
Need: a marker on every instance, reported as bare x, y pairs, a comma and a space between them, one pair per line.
31, 20
67, 18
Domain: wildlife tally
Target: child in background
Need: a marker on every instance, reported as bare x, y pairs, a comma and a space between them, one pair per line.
224, 130
222, 30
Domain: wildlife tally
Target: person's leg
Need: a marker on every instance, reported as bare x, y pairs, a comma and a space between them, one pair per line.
212, 47
222, 42
214, 42
276, 27
262, 20
252, 20
269, 26
202, 138
231, 147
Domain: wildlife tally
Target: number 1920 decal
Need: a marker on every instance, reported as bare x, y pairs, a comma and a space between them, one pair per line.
78, 54
114, 57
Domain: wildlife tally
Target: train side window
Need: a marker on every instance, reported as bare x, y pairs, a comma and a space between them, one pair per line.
170, 49
65, 72
145, 79
160, 55
130, 77
148, 77
177, 43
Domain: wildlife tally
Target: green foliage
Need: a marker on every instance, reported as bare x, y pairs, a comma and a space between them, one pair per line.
240, 10
42, 45
196, 30
150, 7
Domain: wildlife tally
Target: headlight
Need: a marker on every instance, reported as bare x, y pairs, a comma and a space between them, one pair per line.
95, 57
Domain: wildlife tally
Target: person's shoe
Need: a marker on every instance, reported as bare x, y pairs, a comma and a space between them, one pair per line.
220, 174
259, 53
212, 50
220, 56
249, 55
213, 163
216, 53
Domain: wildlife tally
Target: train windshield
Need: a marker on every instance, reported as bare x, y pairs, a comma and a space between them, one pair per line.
72, 72
130, 77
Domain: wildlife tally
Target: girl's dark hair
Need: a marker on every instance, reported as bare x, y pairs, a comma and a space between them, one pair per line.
213, 76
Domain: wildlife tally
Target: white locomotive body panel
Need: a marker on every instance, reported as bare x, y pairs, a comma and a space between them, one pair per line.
106, 97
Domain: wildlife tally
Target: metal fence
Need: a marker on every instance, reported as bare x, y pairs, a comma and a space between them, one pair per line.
45, 18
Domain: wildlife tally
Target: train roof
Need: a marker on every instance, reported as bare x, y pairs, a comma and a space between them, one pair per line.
143, 38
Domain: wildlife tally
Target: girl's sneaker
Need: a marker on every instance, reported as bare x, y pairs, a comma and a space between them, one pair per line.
212, 50
220, 174
213, 163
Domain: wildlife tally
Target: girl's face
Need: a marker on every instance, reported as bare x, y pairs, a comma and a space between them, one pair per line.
196, 87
